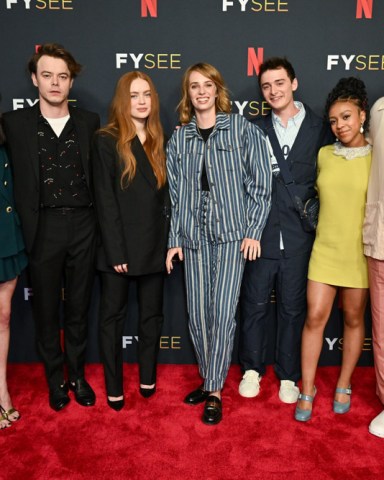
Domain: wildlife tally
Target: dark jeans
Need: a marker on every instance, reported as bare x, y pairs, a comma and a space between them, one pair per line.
288, 276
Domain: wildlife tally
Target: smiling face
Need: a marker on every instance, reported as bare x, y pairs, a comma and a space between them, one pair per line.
277, 89
346, 118
202, 92
53, 80
140, 93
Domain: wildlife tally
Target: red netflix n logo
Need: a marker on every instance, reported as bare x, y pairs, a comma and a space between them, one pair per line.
149, 7
254, 61
364, 7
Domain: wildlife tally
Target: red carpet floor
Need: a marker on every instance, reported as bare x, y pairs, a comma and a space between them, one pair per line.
161, 438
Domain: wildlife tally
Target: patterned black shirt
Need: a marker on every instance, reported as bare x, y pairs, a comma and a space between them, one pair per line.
62, 178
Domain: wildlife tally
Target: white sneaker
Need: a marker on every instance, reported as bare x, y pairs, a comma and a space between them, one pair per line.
376, 427
288, 392
250, 384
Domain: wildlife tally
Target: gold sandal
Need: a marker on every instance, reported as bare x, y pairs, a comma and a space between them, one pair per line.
6, 413
2, 426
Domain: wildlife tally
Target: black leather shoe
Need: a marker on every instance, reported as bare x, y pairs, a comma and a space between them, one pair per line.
197, 396
116, 405
58, 397
212, 411
84, 394
147, 392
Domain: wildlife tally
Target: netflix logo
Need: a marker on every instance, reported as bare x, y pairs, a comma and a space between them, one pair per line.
364, 9
255, 59
149, 8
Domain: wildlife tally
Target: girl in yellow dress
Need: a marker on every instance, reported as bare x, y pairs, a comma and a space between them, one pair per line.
337, 261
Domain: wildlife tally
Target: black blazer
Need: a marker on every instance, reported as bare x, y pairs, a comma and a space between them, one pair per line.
20, 128
134, 221
313, 134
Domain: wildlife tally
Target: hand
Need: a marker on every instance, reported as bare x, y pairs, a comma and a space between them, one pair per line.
171, 253
123, 268
251, 248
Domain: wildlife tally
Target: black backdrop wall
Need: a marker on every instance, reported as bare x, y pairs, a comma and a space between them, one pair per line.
324, 39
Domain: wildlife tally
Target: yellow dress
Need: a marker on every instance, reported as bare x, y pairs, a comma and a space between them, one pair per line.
337, 257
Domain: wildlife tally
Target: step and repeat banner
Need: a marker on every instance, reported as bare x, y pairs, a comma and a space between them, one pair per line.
324, 40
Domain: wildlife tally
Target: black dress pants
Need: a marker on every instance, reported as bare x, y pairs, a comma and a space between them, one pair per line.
288, 276
113, 309
64, 248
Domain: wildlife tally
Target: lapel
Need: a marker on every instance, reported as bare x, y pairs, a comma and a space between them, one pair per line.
304, 136
83, 137
29, 127
273, 139
143, 163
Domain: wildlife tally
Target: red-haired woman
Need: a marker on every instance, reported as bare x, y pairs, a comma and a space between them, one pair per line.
132, 206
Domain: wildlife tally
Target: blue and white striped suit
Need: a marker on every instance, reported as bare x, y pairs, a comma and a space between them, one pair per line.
210, 227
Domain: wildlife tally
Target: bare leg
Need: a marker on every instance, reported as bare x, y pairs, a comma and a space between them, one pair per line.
354, 303
6, 292
320, 297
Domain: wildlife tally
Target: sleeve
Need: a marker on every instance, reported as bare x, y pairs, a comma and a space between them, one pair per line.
173, 172
106, 204
258, 181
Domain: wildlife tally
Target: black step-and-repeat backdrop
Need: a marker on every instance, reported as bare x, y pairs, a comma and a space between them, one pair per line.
324, 39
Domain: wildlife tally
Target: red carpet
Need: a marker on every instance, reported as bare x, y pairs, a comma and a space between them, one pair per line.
161, 438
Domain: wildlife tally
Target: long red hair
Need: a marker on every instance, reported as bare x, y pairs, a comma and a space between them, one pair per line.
121, 127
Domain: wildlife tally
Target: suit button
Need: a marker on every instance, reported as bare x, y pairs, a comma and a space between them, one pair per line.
5, 183
6, 165
8, 209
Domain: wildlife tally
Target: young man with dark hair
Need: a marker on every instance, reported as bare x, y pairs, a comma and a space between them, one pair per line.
49, 147
295, 135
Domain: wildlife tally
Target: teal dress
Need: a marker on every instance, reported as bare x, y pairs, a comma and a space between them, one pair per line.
13, 258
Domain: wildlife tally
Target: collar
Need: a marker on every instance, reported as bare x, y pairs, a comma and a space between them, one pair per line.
296, 119
222, 123
380, 104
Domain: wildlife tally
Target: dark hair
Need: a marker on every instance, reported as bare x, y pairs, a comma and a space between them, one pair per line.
276, 63
57, 51
350, 89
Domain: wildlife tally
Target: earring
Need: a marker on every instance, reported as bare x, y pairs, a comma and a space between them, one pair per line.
362, 127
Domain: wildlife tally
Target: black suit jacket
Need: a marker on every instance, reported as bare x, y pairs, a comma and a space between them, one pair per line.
21, 132
134, 221
313, 134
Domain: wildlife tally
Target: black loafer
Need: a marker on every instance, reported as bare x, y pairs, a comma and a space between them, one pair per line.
147, 392
116, 405
212, 411
58, 397
84, 394
197, 396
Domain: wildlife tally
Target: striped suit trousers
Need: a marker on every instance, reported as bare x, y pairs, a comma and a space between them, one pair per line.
213, 275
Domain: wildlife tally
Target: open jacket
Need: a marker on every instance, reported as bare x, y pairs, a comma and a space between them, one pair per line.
373, 228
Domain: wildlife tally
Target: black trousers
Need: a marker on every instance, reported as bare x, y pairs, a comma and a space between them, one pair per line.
64, 248
113, 309
288, 276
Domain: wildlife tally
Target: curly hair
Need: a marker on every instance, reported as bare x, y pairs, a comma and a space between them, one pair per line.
350, 89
